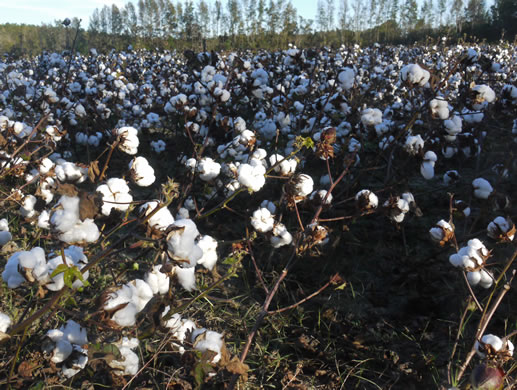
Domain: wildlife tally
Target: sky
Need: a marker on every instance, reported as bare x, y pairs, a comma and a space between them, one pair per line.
46, 11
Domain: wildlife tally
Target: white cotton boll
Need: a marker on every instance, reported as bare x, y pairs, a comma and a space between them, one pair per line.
321, 196
158, 281
259, 154
209, 247
125, 316
44, 220
141, 172
80, 111
10, 275
5, 237
208, 340
500, 226
115, 195
366, 199
474, 278
27, 207
285, 167
161, 220
346, 78
252, 175
439, 232
450, 177
129, 363
62, 351
280, 236
427, 166
486, 279
208, 169
45, 166
128, 140
77, 364
142, 293
482, 188
186, 277
74, 333
4, 225
303, 185
414, 75
456, 260
414, 144
453, 127
371, 116
262, 220
181, 242
158, 146
439, 108
495, 343
65, 218
68, 171
83, 231
483, 94
5, 322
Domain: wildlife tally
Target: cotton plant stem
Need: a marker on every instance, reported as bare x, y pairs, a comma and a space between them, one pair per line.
255, 265
456, 342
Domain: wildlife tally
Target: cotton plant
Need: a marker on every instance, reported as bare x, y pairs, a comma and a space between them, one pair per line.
66, 346
142, 173
491, 345
299, 187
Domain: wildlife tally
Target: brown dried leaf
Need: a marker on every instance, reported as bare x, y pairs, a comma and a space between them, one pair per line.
235, 366
88, 207
93, 171
67, 189
25, 369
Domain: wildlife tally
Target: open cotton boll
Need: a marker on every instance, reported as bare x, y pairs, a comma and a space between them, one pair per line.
494, 343
303, 185
181, 242
427, 166
66, 338
414, 75
280, 236
35, 261
186, 277
67, 222
208, 340
482, 188
483, 94
487, 280
158, 281
10, 275
262, 220
134, 295
321, 197
5, 235
129, 363
366, 200
45, 166
161, 220
5, 322
414, 144
501, 229
141, 172
346, 78
158, 146
70, 368
450, 177
27, 207
441, 232
179, 327
252, 175
285, 167
371, 116
209, 247
439, 108
115, 195
70, 172
128, 140
208, 169
453, 127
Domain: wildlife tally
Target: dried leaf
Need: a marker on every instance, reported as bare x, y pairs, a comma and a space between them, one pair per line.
88, 207
235, 366
93, 171
66, 189
25, 369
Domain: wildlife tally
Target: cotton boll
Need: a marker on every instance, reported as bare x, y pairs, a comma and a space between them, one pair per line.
209, 247
414, 144
161, 220
474, 278
413, 74
501, 228
427, 166
482, 188
486, 279
115, 195
27, 207
346, 78
321, 197
441, 232
262, 220
439, 108
129, 363
490, 340
44, 220
371, 117
450, 177
128, 140
280, 236
269, 205
158, 281
302, 185
252, 175
366, 200
208, 340
181, 242
125, 316
5, 322
453, 127
10, 275
158, 146
62, 351
141, 172
69, 369
69, 172
283, 167
186, 277
208, 169
5, 237
483, 94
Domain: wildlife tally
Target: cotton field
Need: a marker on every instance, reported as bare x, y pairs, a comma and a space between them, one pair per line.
320, 218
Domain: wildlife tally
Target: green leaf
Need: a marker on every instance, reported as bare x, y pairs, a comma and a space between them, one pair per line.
59, 269
308, 142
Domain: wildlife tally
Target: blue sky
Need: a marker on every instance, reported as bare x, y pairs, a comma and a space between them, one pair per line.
46, 11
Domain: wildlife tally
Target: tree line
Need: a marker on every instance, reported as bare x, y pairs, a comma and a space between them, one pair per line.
269, 24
